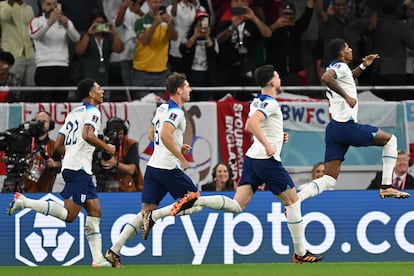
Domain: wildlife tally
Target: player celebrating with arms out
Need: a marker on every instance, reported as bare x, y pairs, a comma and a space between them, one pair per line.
344, 130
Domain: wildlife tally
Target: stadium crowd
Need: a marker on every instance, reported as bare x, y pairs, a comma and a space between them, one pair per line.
215, 42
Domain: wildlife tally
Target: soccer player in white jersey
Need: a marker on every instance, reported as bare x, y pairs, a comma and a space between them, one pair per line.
262, 163
165, 169
344, 130
77, 140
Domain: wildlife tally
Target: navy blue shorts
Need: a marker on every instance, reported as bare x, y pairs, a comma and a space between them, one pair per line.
269, 171
340, 136
78, 186
159, 182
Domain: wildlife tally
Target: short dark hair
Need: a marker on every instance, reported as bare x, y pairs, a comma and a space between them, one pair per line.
7, 57
335, 46
264, 74
174, 81
84, 87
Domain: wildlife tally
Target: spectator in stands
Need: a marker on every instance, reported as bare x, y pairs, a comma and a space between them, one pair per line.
222, 179
8, 78
121, 63
318, 170
284, 47
238, 34
341, 25
199, 50
15, 16
409, 67
95, 48
81, 11
390, 40
183, 14
35, 4
401, 179
51, 33
154, 32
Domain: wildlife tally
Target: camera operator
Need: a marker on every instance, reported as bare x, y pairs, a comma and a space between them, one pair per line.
119, 173
45, 161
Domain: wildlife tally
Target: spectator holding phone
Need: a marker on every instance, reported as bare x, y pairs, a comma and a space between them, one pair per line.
199, 50
95, 48
183, 13
154, 31
51, 33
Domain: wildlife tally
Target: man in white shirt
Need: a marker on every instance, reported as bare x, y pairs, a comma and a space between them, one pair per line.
51, 33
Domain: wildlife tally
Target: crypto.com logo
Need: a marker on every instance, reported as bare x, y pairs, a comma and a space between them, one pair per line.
48, 239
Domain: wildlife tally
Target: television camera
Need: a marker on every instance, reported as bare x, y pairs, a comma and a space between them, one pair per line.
104, 176
17, 145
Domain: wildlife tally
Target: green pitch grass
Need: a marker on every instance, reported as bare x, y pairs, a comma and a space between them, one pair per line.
334, 269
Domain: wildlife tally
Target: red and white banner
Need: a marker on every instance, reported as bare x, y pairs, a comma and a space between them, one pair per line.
234, 141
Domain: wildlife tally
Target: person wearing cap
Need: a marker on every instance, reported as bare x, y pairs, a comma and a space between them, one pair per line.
199, 49
283, 49
183, 13
8, 78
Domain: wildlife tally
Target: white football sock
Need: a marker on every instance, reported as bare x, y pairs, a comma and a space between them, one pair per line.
129, 231
48, 208
219, 202
295, 225
94, 238
389, 158
317, 186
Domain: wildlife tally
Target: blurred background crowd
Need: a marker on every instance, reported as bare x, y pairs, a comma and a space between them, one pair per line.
215, 42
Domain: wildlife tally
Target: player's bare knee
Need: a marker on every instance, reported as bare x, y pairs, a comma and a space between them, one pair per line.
71, 217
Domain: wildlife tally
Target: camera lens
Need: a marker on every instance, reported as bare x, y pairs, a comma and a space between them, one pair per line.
105, 156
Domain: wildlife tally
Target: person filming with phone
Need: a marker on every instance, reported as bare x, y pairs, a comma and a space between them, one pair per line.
51, 33
199, 50
154, 31
95, 48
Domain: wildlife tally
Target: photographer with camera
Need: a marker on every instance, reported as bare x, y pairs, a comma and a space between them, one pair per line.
45, 161
119, 173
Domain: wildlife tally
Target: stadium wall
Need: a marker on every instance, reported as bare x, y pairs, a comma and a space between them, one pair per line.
346, 226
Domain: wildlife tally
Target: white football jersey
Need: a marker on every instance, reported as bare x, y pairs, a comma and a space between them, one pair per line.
79, 153
272, 127
167, 113
338, 108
